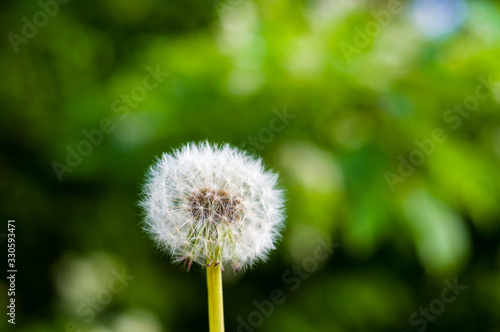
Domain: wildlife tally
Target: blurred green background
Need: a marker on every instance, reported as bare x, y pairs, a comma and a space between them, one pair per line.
390, 146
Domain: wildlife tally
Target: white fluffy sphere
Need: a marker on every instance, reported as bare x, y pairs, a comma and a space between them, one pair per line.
213, 204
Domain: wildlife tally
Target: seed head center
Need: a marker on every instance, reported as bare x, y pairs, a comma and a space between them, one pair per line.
215, 206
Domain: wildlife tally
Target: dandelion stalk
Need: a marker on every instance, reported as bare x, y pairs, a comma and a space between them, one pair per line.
215, 303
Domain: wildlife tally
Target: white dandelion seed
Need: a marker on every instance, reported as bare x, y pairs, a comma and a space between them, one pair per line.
213, 204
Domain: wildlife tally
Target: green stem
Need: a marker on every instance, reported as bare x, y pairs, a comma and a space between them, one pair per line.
215, 304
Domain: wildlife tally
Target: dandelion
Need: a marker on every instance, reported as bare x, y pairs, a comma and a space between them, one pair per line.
215, 206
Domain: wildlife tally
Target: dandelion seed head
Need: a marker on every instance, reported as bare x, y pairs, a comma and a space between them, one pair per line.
213, 204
